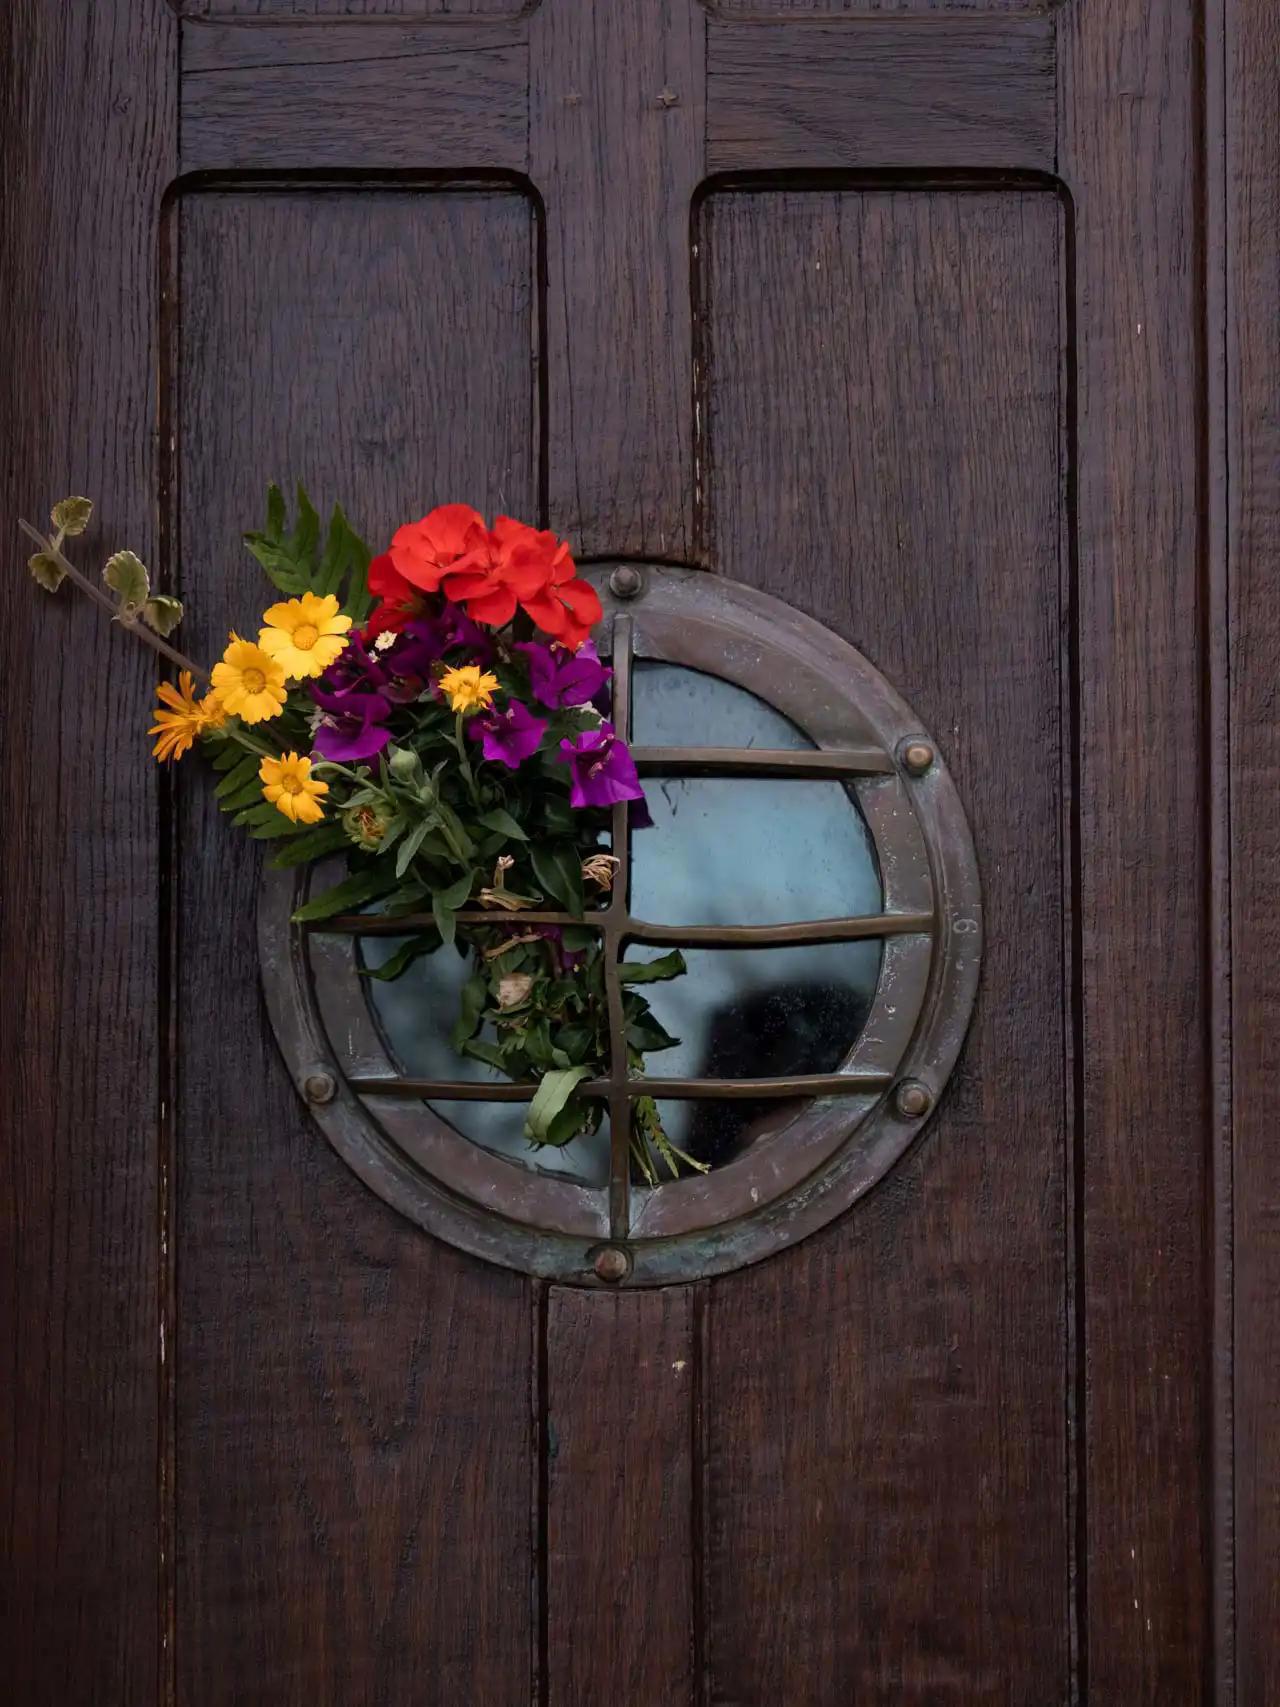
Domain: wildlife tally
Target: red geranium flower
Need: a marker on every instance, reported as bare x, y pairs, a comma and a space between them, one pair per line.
399, 601
491, 571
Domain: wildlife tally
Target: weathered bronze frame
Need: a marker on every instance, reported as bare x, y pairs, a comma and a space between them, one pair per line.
857, 1122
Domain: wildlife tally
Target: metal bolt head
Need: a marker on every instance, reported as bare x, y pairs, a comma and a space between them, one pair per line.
320, 1086
912, 1099
612, 1263
917, 756
626, 581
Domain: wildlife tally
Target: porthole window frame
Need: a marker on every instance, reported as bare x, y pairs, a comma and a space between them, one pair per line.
855, 1123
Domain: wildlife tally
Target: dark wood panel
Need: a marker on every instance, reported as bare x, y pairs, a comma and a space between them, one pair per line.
621, 1380
924, 93
894, 8
1130, 121
1253, 346
353, 1435
79, 945
349, 8
616, 150
887, 1403
442, 96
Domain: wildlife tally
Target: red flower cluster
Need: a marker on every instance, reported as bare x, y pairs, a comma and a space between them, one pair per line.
489, 570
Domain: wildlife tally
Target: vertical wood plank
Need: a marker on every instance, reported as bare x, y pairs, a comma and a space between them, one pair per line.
1253, 358
1129, 121
87, 134
621, 1382
616, 150
354, 1448
887, 1499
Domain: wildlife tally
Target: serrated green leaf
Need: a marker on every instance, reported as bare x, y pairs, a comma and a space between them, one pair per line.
126, 574
312, 845
652, 971
71, 515
162, 612
244, 769
551, 1096
352, 892
47, 571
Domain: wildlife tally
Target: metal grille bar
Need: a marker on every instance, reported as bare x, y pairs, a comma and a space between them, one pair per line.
617, 927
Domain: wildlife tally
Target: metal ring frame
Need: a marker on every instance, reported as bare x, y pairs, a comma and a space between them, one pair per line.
854, 1124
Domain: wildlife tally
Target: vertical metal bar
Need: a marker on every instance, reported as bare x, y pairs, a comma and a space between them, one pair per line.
617, 917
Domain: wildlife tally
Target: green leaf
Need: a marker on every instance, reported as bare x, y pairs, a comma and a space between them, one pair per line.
162, 613
47, 571
306, 536
351, 892
559, 870
275, 513
126, 574
403, 958
652, 971
244, 770
552, 1095
412, 842
445, 903
312, 845
489, 1053
500, 819
471, 1004
71, 515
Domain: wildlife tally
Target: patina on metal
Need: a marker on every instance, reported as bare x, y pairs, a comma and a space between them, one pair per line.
847, 1128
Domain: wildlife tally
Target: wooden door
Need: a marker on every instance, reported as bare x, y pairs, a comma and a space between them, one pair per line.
914, 315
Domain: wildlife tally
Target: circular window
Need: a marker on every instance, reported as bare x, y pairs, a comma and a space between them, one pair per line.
809, 857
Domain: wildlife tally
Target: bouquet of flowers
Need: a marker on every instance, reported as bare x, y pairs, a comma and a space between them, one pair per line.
441, 716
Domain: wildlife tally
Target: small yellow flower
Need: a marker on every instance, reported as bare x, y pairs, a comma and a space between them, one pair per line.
469, 688
186, 717
248, 683
304, 635
288, 784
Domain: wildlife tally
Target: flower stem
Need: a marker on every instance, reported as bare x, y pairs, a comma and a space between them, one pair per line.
469, 776
52, 549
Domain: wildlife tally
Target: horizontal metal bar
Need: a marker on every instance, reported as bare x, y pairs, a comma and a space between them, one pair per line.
676, 1090
403, 924
856, 929
762, 761
853, 929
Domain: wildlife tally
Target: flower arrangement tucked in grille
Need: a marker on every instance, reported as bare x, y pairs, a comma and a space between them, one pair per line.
440, 715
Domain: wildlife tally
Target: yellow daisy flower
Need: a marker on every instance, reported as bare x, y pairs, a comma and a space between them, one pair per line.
469, 688
176, 728
304, 635
288, 784
248, 683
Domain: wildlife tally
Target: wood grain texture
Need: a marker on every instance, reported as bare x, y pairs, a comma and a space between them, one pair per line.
441, 96
79, 1252
1129, 120
1253, 358
620, 1404
354, 1453
930, 92
616, 150
892, 8
311, 9
887, 1512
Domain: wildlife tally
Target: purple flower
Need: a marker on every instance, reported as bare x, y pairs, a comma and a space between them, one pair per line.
509, 736
354, 693
559, 677
603, 770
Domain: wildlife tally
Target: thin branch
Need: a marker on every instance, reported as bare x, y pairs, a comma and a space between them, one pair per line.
109, 604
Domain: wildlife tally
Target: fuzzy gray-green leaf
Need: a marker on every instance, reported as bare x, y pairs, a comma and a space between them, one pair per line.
46, 570
126, 574
162, 612
71, 515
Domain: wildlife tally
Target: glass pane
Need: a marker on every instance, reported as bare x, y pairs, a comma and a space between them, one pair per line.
672, 706
416, 1013
754, 1014
739, 850
751, 851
